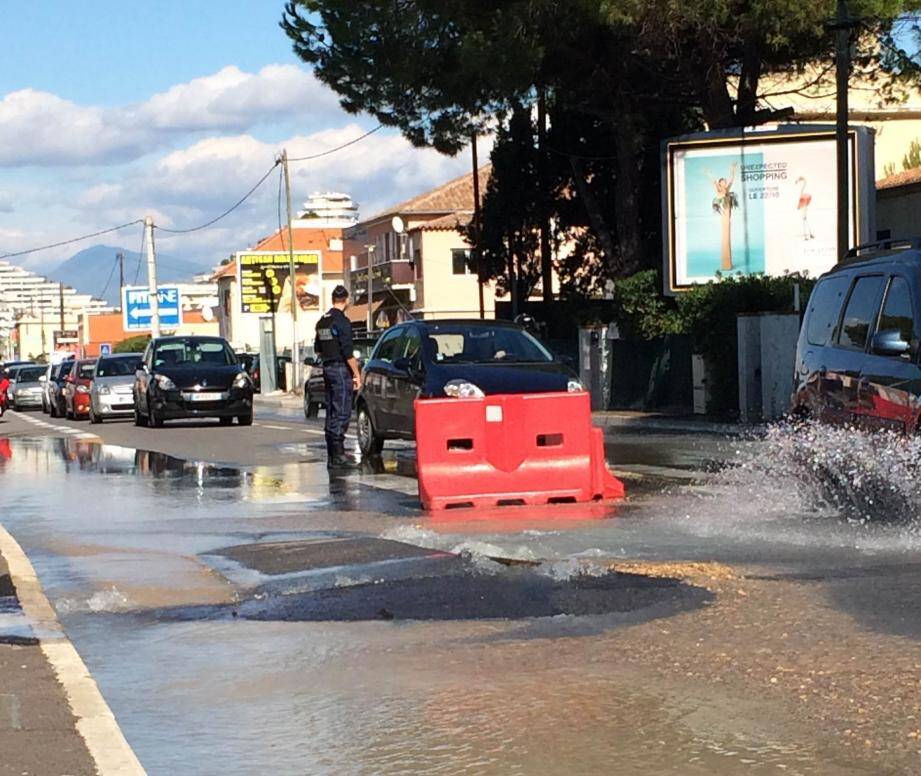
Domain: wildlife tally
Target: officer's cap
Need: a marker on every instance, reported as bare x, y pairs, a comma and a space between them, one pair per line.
339, 293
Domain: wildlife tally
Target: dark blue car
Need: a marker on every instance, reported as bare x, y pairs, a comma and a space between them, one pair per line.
858, 360
438, 358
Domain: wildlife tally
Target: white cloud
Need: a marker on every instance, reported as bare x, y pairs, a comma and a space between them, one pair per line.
233, 100
40, 128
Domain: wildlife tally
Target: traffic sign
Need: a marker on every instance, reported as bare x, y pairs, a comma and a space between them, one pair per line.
105, 349
136, 308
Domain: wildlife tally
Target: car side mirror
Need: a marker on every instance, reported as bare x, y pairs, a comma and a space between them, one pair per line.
43, 379
889, 343
403, 365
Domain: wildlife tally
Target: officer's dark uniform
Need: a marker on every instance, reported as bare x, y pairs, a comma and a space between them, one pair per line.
333, 346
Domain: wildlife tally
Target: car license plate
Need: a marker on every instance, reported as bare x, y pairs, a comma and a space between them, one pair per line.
204, 396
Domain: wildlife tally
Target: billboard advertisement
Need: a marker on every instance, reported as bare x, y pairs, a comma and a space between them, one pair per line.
760, 202
265, 281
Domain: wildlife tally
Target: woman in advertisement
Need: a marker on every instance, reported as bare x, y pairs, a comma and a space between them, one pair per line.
723, 204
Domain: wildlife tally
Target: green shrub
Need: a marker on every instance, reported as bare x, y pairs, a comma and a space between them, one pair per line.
132, 344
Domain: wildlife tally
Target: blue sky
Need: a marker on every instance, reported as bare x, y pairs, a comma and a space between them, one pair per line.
110, 111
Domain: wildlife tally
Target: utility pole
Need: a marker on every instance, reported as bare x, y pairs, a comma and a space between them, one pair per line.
61, 306
295, 347
546, 260
370, 324
478, 261
152, 279
120, 257
842, 27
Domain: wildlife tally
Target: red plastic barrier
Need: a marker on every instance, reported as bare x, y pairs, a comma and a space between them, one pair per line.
537, 448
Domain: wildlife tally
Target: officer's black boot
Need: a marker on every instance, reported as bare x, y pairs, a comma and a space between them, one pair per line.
339, 460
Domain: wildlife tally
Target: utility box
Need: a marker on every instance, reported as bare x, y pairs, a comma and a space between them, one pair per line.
700, 384
595, 364
767, 352
268, 382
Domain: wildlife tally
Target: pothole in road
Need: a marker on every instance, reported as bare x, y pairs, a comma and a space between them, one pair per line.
350, 579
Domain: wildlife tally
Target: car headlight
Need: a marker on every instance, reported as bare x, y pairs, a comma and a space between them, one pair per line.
462, 389
20, 392
574, 386
83, 389
105, 390
242, 380
165, 383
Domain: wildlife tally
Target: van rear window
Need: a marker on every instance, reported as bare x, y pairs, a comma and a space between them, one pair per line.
824, 308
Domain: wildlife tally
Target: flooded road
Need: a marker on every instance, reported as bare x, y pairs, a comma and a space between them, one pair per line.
756, 617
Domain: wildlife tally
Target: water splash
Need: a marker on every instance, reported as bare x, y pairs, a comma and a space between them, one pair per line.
859, 476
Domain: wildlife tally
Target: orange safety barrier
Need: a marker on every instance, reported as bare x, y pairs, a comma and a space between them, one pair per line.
537, 448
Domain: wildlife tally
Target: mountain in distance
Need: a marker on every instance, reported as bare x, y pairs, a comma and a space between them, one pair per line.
89, 270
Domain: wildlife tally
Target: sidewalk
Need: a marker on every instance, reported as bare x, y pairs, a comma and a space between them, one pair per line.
53, 719
609, 420
38, 730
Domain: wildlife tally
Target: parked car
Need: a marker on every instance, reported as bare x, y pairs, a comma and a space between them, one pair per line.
255, 372
7, 366
76, 389
858, 349
191, 377
51, 387
111, 393
460, 358
25, 389
314, 386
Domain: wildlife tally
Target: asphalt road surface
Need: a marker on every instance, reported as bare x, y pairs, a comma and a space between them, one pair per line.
752, 608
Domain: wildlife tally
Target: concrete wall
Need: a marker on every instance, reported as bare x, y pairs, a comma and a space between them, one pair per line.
897, 210
440, 291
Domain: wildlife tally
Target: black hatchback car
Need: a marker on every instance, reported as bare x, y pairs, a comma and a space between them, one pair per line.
460, 358
191, 377
858, 350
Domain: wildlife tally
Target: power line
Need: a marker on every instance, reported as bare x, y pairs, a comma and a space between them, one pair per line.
111, 272
226, 212
337, 148
72, 240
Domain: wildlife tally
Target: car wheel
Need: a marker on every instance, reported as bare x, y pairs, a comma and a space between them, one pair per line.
369, 442
44, 406
94, 418
53, 409
245, 420
225, 421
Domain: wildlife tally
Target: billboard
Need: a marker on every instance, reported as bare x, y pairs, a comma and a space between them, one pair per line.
265, 282
761, 201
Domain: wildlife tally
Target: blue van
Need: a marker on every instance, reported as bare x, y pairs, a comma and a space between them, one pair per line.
858, 349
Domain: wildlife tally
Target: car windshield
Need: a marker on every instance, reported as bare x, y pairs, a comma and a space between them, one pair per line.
457, 343
193, 352
29, 374
117, 367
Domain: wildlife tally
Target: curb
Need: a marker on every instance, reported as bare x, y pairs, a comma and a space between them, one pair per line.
640, 423
94, 719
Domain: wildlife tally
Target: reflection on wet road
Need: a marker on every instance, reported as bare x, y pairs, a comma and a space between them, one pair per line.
264, 618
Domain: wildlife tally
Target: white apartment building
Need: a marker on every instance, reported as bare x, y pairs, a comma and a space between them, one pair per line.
27, 293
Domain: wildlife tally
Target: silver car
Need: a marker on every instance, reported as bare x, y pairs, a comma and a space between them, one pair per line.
111, 391
26, 386
51, 385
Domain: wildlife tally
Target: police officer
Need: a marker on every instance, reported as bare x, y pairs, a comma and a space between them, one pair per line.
341, 376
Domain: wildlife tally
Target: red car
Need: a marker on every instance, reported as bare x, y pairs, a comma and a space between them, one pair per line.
77, 389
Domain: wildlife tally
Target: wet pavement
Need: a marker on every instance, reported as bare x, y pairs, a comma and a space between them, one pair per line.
752, 608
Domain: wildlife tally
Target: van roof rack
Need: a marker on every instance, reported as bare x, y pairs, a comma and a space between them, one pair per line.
857, 253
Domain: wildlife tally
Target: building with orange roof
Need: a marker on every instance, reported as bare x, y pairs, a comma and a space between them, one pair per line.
255, 283
419, 261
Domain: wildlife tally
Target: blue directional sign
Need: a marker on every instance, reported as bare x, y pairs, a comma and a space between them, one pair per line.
105, 349
136, 308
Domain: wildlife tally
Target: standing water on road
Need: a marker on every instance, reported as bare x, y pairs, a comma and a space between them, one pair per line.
748, 615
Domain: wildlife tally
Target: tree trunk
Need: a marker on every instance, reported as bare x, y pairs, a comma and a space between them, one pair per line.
626, 185
595, 216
